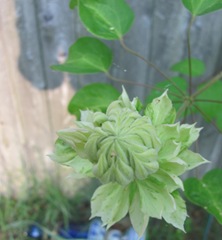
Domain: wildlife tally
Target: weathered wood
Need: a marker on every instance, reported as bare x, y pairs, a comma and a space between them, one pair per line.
37, 33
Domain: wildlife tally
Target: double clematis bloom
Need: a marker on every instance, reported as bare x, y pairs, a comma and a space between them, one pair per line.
137, 157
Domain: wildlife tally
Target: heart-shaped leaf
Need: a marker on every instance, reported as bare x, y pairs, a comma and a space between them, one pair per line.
86, 55
198, 67
200, 7
207, 192
96, 96
109, 19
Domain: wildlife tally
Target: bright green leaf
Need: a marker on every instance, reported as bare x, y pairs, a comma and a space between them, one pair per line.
200, 7
95, 96
109, 19
207, 192
164, 85
86, 55
198, 67
212, 110
73, 4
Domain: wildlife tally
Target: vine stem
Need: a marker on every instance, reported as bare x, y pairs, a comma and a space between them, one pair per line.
207, 118
207, 100
189, 54
182, 109
115, 79
150, 64
208, 84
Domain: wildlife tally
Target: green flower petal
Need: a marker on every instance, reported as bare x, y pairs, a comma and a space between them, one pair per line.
138, 219
179, 215
192, 159
111, 203
63, 153
161, 110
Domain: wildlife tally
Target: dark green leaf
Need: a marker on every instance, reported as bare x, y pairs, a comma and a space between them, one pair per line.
96, 96
109, 19
180, 82
207, 192
200, 7
198, 67
86, 55
73, 4
212, 110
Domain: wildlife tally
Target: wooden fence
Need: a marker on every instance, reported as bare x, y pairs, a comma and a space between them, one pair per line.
35, 34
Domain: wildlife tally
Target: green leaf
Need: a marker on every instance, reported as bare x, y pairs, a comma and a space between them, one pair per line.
95, 96
86, 55
73, 4
164, 85
198, 67
200, 7
206, 192
109, 19
212, 110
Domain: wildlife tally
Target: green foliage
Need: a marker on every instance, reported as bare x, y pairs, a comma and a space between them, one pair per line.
200, 7
109, 19
206, 192
179, 83
211, 110
95, 97
73, 4
198, 67
86, 55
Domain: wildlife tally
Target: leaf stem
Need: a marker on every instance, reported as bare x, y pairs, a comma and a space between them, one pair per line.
207, 100
189, 54
150, 64
182, 109
207, 118
115, 79
208, 84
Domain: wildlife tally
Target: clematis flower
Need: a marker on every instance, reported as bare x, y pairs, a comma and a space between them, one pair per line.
138, 157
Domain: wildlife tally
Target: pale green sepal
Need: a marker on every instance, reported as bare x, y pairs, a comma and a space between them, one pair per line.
170, 181
63, 152
169, 150
168, 132
179, 215
154, 197
82, 167
188, 134
76, 138
192, 159
138, 219
161, 110
111, 203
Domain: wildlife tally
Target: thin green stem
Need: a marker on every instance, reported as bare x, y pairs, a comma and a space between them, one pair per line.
150, 64
115, 79
208, 100
189, 54
207, 118
208, 84
182, 109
